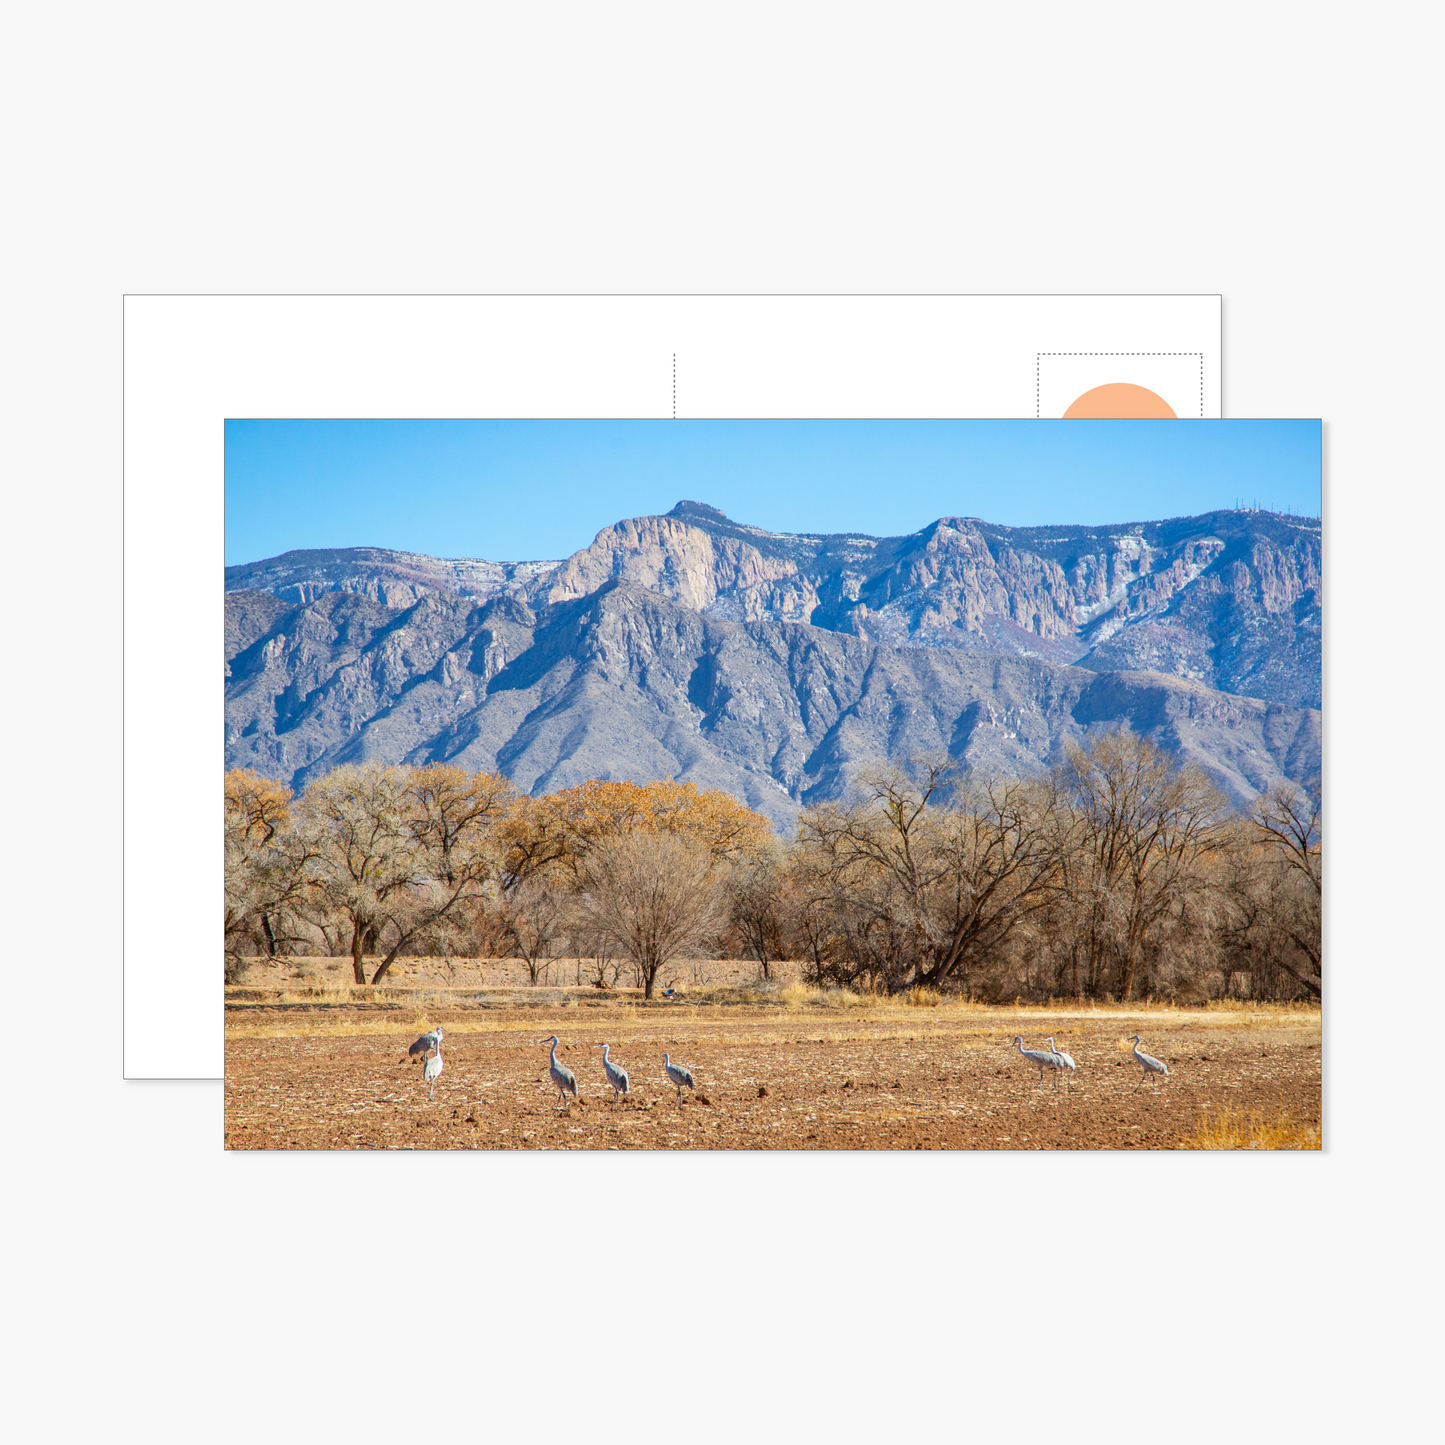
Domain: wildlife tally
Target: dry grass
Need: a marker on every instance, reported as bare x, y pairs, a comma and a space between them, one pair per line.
919, 997
1249, 1005
799, 995
1231, 1129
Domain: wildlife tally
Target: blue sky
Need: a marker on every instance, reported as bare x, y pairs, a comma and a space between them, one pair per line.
520, 490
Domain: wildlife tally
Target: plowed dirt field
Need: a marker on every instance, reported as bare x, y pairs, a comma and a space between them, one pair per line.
769, 1075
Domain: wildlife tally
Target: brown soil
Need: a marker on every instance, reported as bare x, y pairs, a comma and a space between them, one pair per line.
770, 1076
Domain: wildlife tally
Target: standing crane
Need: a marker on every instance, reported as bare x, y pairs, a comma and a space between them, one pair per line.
1044, 1058
616, 1074
424, 1045
431, 1070
562, 1076
680, 1074
1149, 1064
1067, 1060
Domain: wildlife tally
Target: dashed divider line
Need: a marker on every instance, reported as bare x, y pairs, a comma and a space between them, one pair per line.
1039, 358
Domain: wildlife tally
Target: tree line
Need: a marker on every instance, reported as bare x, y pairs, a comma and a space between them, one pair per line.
1122, 873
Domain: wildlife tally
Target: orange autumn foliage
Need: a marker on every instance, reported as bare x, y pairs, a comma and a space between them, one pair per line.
560, 828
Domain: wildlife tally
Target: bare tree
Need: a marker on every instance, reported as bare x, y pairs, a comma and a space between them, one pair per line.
755, 892
811, 913
1288, 820
365, 856
654, 895
1141, 828
1275, 894
593, 944
394, 852
934, 873
536, 918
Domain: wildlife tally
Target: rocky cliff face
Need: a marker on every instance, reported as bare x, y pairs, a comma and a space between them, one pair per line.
623, 681
1230, 599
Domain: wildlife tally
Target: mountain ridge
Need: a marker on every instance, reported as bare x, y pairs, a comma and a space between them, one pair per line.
1231, 599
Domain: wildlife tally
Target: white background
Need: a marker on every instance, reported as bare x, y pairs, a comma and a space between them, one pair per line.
192, 361
1283, 156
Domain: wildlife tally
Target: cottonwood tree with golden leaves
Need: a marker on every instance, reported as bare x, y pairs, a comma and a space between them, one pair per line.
572, 821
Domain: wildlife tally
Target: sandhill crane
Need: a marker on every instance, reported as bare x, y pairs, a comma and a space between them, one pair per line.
616, 1075
431, 1070
1067, 1060
680, 1074
1149, 1064
1042, 1057
424, 1045
562, 1076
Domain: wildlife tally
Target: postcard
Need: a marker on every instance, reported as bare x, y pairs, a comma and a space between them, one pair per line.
192, 362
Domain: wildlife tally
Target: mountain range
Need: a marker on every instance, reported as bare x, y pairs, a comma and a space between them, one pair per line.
778, 665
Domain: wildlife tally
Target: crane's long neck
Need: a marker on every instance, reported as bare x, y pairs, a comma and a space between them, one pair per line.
554, 1053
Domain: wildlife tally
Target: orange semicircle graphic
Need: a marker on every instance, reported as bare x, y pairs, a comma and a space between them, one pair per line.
1120, 399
